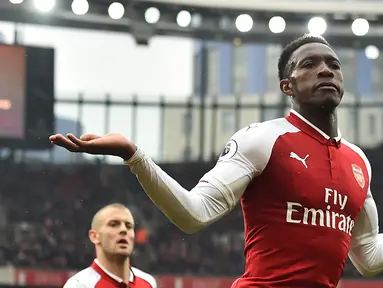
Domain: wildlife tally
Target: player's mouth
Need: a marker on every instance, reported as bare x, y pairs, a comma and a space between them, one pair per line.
327, 85
123, 242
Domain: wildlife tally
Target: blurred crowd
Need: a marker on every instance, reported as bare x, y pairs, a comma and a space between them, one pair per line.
45, 214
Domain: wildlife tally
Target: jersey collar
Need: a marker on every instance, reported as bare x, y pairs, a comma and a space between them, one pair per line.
108, 275
307, 127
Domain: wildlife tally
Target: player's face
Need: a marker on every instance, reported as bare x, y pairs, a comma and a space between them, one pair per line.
316, 79
116, 233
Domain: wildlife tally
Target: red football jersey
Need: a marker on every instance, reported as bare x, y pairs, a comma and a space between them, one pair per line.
305, 197
97, 276
300, 208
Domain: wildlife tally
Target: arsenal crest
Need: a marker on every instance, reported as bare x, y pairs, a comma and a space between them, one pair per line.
358, 174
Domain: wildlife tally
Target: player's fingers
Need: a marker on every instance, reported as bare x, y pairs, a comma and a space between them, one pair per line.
90, 146
88, 137
54, 137
61, 141
58, 138
75, 140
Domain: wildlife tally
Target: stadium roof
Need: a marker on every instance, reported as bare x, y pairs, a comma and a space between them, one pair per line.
227, 20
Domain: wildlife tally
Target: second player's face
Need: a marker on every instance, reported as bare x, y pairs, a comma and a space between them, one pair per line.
116, 234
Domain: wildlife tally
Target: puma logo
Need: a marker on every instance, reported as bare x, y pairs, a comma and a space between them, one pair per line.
296, 157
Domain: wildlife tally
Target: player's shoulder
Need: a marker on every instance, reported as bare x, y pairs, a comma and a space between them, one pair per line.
257, 140
263, 134
357, 152
355, 148
143, 276
267, 129
86, 278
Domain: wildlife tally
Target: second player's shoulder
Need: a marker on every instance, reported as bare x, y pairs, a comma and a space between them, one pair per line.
144, 278
86, 278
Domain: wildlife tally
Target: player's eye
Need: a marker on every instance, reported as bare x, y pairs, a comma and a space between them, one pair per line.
334, 65
129, 225
308, 65
114, 223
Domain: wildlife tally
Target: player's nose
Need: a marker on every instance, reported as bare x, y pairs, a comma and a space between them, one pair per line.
325, 72
123, 231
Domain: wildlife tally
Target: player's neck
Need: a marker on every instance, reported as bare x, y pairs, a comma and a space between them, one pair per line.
117, 265
325, 120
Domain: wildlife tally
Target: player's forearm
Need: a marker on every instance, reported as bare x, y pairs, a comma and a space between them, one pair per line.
366, 251
367, 257
189, 210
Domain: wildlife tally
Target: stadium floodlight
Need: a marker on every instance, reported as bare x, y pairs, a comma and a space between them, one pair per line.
196, 20
80, 7
16, 1
372, 52
277, 24
152, 15
317, 26
224, 22
44, 5
116, 10
184, 18
244, 23
360, 27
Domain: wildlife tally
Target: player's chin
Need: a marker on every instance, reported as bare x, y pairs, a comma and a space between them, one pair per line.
124, 250
123, 253
329, 99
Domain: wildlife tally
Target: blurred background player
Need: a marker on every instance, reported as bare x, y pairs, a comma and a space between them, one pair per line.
112, 233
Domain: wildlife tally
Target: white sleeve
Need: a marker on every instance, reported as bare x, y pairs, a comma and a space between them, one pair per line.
73, 283
244, 157
366, 251
154, 283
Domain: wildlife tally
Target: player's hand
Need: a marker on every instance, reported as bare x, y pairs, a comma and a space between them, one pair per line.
109, 144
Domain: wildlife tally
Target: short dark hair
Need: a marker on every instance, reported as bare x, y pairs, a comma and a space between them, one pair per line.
284, 63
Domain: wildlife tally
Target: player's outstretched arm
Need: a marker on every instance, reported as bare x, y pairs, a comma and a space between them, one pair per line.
215, 195
218, 191
366, 252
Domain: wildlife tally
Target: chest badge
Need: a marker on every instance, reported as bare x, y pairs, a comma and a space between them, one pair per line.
358, 174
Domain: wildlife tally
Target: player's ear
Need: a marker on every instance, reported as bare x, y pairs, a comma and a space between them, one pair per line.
93, 236
286, 87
